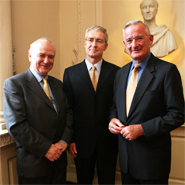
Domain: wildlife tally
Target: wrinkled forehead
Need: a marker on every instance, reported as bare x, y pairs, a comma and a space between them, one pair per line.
42, 46
135, 29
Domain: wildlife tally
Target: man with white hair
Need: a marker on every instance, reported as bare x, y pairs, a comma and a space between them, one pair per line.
148, 104
39, 119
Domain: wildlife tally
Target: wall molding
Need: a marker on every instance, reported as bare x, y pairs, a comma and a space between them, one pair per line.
6, 139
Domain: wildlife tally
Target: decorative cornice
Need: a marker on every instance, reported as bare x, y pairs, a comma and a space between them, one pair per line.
1, 117
6, 139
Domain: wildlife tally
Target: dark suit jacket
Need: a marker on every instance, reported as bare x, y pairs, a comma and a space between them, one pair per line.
91, 109
34, 124
158, 106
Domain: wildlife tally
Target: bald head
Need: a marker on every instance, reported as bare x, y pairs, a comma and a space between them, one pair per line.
35, 44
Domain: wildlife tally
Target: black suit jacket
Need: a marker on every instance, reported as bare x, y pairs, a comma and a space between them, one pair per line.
34, 124
158, 106
91, 109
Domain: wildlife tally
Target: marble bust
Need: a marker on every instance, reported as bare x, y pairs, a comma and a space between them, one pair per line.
164, 41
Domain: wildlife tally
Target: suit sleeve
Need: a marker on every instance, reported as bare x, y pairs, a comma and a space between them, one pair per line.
68, 130
17, 123
174, 105
67, 88
113, 109
68, 91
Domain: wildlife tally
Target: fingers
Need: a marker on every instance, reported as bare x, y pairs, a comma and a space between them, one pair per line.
115, 126
72, 154
132, 132
53, 153
72, 150
61, 146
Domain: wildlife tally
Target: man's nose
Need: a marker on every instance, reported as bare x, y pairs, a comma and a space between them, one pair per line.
46, 59
94, 43
134, 43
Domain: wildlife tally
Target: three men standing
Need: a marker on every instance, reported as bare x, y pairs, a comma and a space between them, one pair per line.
42, 125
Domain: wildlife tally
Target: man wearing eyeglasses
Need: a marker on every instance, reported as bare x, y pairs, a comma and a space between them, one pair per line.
156, 108
90, 101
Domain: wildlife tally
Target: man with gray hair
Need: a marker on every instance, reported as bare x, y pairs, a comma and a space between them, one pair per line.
148, 104
39, 119
89, 89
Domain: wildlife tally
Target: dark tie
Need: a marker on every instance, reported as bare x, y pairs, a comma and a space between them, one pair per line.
132, 84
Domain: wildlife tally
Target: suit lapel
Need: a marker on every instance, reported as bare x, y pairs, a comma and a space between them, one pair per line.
34, 86
123, 88
104, 74
53, 87
144, 81
84, 75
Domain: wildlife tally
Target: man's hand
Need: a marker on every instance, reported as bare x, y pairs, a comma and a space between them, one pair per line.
72, 150
115, 126
132, 132
61, 146
53, 153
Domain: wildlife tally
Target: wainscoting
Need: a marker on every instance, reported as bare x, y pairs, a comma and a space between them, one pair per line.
8, 172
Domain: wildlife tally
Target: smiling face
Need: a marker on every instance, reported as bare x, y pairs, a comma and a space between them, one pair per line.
149, 9
137, 41
95, 45
41, 56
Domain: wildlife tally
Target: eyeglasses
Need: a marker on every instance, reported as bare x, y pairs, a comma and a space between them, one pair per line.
98, 41
137, 39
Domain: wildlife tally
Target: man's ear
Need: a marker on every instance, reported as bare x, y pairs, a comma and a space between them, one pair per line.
106, 46
29, 56
151, 38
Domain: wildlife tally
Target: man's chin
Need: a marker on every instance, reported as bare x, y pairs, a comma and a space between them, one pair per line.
44, 72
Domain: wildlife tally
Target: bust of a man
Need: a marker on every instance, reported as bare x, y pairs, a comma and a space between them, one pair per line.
164, 41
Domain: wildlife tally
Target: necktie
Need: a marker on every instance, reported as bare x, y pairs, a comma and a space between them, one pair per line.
46, 88
132, 84
94, 77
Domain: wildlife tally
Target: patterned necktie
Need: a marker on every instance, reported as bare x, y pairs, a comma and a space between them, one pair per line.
132, 84
94, 77
46, 88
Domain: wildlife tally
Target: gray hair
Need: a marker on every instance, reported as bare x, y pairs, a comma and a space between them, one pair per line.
97, 28
133, 22
155, 1
32, 46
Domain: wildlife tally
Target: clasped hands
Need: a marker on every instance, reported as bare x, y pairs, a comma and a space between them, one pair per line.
130, 132
55, 151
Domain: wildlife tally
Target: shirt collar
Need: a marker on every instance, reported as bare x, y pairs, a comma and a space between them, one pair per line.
97, 65
37, 75
142, 63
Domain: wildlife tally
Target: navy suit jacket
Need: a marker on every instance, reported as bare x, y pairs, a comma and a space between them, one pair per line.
158, 105
91, 109
34, 124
